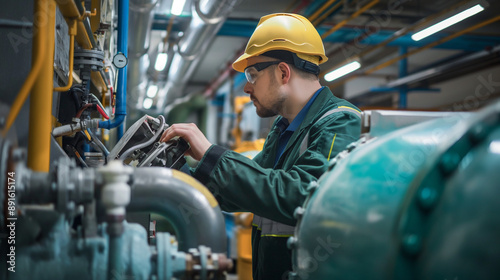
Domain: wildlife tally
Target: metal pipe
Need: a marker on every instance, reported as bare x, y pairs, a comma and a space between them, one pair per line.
327, 14
184, 202
70, 12
69, 129
318, 12
403, 71
121, 91
394, 36
38, 59
141, 14
115, 266
353, 16
196, 41
40, 119
433, 44
414, 51
72, 33
115, 196
207, 19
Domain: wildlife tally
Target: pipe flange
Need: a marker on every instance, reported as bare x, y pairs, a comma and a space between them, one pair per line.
65, 186
83, 180
203, 264
90, 59
115, 194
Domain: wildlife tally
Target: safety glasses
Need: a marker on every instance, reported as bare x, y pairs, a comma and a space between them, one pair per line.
251, 72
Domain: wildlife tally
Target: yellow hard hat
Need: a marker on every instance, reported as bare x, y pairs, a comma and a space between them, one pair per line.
283, 31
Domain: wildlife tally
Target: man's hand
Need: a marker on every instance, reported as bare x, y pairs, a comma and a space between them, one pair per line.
192, 134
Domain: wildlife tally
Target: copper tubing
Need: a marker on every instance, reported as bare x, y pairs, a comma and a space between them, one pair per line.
39, 47
40, 119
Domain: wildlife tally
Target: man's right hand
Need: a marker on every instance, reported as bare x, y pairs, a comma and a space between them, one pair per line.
191, 133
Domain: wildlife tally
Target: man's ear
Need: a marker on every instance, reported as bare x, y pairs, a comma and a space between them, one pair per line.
285, 72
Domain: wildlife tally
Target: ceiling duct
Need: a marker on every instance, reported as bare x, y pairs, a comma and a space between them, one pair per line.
208, 18
141, 16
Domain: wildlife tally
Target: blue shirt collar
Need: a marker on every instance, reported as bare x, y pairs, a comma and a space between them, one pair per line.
283, 124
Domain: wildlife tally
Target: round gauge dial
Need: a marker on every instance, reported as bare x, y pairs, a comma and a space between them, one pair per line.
120, 60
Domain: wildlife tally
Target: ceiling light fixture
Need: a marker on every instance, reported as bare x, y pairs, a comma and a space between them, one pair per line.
161, 61
152, 91
342, 71
447, 22
177, 7
147, 103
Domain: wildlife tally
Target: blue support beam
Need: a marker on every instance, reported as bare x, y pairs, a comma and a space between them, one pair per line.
403, 72
245, 28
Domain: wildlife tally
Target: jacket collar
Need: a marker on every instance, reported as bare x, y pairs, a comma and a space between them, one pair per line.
321, 101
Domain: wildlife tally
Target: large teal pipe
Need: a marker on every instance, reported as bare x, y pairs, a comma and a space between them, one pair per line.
416, 203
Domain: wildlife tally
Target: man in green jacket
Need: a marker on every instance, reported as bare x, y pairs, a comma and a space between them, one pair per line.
281, 63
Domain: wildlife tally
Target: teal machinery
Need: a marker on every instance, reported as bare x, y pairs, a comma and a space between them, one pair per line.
419, 202
70, 223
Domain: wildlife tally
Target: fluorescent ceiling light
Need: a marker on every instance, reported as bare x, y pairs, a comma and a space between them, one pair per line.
152, 90
161, 61
147, 103
177, 7
447, 22
495, 147
342, 71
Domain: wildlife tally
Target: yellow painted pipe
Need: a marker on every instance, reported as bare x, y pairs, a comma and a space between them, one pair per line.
412, 52
37, 62
396, 35
70, 12
433, 44
72, 33
329, 12
320, 10
353, 16
40, 125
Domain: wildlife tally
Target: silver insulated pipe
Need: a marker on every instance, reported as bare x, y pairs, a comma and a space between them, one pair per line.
208, 17
139, 33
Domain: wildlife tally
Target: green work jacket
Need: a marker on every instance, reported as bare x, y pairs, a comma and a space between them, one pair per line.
272, 192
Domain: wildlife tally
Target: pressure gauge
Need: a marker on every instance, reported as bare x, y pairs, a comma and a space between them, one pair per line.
120, 60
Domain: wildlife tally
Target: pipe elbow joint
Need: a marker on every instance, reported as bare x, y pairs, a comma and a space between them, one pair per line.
117, 121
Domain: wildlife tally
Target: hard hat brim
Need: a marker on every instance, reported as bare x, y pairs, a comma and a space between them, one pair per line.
241, 63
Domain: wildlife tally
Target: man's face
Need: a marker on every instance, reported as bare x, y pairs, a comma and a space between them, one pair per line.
265, 91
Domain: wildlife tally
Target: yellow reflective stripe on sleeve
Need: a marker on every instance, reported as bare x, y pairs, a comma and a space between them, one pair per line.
345, 107
331, 148
258, 228
276, 235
